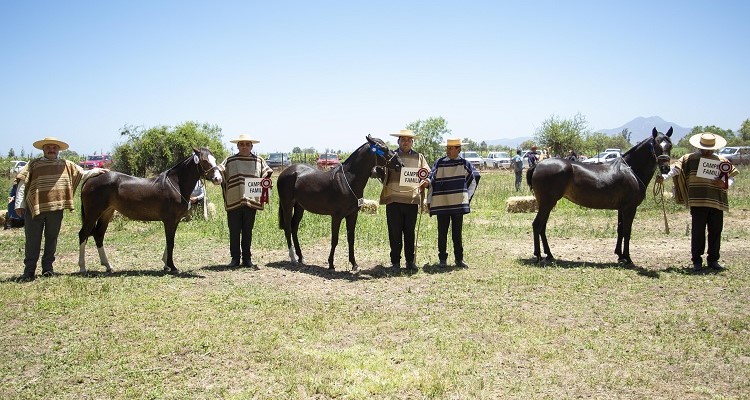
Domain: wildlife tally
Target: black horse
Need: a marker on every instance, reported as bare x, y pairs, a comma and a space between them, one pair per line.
163, 198
337, 192
619, 186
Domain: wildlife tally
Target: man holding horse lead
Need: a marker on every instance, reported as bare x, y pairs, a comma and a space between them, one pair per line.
402, 195
46, 188
240, 202
453, 182
701, 181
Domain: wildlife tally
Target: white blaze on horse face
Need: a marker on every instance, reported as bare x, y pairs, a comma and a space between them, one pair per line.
215, 175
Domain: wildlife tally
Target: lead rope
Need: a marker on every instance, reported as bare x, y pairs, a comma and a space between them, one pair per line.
658, 190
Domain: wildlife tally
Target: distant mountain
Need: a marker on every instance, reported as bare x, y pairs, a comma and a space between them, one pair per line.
640, 127
512, 142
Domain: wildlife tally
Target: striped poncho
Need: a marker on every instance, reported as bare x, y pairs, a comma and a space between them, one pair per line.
393, 192
452, 185
234, 170
49, 185
701, 192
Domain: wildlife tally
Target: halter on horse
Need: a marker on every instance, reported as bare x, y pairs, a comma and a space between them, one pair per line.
163, 198
619, 186
337, 193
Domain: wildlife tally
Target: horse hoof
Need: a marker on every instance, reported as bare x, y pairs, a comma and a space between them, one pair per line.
355, 268
330, 267
549, 258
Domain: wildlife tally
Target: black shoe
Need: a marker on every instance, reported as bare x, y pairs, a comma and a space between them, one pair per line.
234, 263
249, 264
411, 266
396, 266
48, 273
443, 263
26, 278
715, 265
697, 265
461, 264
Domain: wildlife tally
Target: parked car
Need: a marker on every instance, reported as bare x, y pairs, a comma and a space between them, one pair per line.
497, 159
328, 160
279, 160
603, 157
16, 167
737, 155
97, 161
475, 159
613, 150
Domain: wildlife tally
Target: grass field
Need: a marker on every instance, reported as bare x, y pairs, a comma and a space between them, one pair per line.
581, 327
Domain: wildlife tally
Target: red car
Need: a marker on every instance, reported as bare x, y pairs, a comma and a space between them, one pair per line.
98, 161
328, 160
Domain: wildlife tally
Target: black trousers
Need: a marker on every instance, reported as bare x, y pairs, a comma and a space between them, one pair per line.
241, 221
456, 222
402, 220
519, 174
702, 218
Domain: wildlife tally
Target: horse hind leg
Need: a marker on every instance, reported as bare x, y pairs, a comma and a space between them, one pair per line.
351, 225
99, 231
540, 232
296, 219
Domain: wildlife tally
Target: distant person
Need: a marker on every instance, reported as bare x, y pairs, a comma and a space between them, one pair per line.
13, 220
46, 187
453, 182
706, 197
241, 209
572, 156
402, 202
197, 201
517, 163
532, 157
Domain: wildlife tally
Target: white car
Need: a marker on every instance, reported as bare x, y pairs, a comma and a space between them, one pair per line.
475, 159
497, 159
16, 167
603, 157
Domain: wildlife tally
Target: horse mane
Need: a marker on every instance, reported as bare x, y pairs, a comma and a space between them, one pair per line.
351, 158
638, 145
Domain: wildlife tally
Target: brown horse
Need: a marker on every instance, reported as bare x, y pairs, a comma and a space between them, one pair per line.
619, 186
337, 192
163, 198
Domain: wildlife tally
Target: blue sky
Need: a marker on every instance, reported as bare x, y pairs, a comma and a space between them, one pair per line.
325, 74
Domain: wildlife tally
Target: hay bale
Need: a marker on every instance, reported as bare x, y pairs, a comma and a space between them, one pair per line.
211, 210
520, 204
369, 206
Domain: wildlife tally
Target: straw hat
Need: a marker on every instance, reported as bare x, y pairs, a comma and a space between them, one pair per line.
404, 133
39, 144
707, 141
453, 142
244, 138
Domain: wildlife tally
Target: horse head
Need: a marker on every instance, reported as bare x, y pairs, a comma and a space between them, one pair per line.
207, 164
662, 148
382, 152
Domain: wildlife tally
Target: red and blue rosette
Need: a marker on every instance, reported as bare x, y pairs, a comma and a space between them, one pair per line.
423, 173
265, 184
725, 167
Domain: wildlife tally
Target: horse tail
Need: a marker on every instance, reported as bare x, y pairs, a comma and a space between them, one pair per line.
529, 174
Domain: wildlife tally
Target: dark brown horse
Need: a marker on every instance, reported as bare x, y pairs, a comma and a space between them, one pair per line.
619, 186
163, 198
337, 193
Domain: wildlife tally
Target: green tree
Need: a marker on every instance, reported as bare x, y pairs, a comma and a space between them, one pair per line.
725, 133
470, 144
430, 134
595, 143
296, 150
526, 145
626, 134
70, 155
562, 135
148, 152
11, 153
745, 131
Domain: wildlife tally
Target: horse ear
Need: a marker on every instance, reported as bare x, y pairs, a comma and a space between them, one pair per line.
654, 132
669, 132
369, 138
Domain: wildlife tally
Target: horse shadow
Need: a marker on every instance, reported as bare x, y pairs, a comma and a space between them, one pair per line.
322, 272
105, 274
649, 273
439, 269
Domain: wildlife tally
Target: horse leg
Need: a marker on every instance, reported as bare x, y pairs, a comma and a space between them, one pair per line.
540, 231
170, 228
99, 231
618, 246
335, 226
296, 219
351, 224
627, 216
83, 237
285, 221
